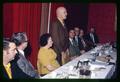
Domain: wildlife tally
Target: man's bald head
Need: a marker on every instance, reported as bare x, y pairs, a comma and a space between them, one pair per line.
61, 13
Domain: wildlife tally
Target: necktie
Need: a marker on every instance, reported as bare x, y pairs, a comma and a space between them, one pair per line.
64, 25
74, 42
83, 42
92, 38
8, 69
76, 38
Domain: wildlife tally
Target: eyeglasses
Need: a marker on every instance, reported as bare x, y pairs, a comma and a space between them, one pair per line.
26, 41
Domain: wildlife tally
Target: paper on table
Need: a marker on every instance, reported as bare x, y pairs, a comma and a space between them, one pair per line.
94, 66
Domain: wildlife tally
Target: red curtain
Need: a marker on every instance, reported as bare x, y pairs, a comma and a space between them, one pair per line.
102, 15
24, 17
7, 19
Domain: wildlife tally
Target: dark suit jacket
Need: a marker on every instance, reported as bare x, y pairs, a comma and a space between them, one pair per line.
60, 38
88, 37
88, 45
17, 73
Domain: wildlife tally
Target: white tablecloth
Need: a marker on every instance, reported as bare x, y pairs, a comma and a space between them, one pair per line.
101, 74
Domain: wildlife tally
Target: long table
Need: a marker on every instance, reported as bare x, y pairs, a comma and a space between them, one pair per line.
104, 73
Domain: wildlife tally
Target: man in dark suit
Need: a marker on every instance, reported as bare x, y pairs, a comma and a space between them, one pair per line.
84, 45
10, 68
59, 35
92, 37
21, 41
77, 33
74, 50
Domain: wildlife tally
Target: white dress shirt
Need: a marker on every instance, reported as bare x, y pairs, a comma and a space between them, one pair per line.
22, 52
92, 36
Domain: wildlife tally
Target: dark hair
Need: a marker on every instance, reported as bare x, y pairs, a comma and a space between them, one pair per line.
70, 29
6, 42
93, 28
44, 39
18, 38
76, 27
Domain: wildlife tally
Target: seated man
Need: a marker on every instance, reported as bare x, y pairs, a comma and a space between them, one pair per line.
84, 45
21, 41
74, 50
92, 37
77, 33
10, 68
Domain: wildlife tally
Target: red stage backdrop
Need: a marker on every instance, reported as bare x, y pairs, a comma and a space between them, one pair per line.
102, 16
26, 17
18, 17
23, 17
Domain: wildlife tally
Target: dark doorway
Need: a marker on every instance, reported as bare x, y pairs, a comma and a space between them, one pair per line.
77, 15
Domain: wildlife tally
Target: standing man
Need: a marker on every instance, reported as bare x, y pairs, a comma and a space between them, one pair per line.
60, 35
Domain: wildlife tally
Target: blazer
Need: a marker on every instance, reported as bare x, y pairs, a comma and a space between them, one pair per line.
81, 46
26, 66
95, 38
60, 38
73, 49
17, 73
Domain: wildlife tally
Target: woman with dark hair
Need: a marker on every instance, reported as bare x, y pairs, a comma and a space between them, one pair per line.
46, 56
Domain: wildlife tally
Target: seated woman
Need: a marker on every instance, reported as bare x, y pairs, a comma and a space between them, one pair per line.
46, 56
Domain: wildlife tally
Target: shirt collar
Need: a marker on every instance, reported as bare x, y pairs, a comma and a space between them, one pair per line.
61, 21
8, 65
22, 52
70, 39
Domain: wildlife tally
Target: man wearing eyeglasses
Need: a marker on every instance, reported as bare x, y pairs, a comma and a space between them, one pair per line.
21, 42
